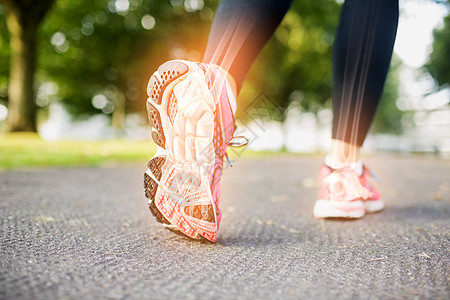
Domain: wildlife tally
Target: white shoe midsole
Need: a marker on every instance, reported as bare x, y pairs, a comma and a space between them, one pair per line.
374, 205
334, 209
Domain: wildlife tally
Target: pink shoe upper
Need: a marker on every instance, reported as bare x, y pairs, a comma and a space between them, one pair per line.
224, 127
344, 184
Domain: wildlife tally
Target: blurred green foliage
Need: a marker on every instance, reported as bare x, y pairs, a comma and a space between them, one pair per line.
94, 48
111, 47
438, 64
28, 150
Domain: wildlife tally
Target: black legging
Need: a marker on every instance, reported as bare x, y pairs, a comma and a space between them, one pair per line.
361, 55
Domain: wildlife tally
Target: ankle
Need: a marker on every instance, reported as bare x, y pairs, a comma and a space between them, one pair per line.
232, 89
356, 166
233, 84
344, 152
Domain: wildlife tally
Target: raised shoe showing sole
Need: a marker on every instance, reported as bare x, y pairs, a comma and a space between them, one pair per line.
192, 124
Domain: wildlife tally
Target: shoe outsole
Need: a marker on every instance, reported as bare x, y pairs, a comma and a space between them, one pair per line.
198, 237
150, 187
160, 80
166, 74
155, 165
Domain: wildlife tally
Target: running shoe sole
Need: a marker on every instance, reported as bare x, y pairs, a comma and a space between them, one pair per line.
172, 177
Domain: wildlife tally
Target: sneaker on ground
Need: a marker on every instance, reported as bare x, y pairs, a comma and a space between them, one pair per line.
344, 194
192, 124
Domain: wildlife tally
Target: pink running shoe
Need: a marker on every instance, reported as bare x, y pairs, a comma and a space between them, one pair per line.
344, 194
192, 124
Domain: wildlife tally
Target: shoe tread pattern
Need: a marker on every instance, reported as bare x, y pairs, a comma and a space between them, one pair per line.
159, 81
150, 186
166, 74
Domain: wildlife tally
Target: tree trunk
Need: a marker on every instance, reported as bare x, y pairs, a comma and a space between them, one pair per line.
22, 107
22, 19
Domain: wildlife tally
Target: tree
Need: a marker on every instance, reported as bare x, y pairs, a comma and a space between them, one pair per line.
438, 64
23, 18
96, 48
102, 53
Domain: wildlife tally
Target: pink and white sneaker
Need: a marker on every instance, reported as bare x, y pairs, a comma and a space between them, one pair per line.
374, 203
344, 194
192, 124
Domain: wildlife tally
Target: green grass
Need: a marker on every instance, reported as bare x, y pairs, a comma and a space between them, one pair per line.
24, 150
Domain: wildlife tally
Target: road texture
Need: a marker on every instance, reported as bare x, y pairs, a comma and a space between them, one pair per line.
86, 233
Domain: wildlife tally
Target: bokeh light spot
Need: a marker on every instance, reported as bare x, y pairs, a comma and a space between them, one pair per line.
148, 22
193, 5
3, 112
121, 5
58, 38
99, 101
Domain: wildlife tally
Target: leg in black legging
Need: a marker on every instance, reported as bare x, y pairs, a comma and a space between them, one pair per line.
361, 58
240, 30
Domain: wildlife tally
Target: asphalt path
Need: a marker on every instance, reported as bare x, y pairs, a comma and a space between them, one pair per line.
86, 233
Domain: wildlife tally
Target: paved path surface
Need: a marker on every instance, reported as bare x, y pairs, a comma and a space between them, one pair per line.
86, 233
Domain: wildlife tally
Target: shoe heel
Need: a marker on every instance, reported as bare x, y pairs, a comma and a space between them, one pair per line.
165, 74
